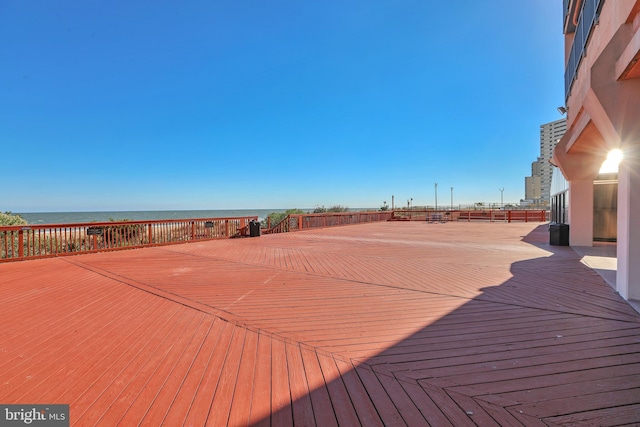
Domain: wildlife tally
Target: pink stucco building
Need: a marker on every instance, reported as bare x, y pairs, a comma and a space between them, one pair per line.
602, 82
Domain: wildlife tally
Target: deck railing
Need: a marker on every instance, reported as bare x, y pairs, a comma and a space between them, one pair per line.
296, 222
20, 242
490, 215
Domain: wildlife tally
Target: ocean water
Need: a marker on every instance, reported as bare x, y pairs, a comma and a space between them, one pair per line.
76, 217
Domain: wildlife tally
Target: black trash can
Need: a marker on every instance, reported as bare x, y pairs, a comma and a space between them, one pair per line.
558, 234
254, 228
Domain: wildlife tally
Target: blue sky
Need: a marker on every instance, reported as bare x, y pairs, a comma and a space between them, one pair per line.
225, 105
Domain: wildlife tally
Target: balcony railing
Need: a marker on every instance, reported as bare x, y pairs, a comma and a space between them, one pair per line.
41, 241
588, 18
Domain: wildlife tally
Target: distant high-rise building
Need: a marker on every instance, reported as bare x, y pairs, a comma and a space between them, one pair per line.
550, 134
538, 185
532, 183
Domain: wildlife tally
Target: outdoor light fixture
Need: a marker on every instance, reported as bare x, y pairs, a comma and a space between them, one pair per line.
563, 110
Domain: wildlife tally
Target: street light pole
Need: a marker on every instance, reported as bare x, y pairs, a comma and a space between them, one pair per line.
451, 198
436, 185
502, 197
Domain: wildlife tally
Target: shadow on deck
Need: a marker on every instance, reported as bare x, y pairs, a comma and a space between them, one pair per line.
537, 349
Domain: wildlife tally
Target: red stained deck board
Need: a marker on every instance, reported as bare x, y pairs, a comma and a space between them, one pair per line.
489, 375
420, 398
223, 398
615, 416
89, 399
342, 405
407, 407
281, 410
575, 404
380, 398
159, 363
359, 396
261, 392
93, 359
130, 369
209, 375
36, 360
299, 387
500, 392
504, 417
267, 331
475, 411
454, 413
470, 365
241, 400
563, 391
321, 401
197, 354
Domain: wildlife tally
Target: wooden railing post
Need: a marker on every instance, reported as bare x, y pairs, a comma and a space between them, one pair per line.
20, 243
193, 230
299, 222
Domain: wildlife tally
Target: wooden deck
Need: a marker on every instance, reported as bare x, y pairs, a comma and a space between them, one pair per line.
402, 323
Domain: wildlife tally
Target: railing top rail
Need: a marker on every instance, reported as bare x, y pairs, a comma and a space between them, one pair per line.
334, 213
115, 223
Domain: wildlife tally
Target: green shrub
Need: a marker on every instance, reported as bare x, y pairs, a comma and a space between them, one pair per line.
7, 218
336, 208
276, 217
10, 246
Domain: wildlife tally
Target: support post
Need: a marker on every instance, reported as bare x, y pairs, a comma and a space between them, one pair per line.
628, 250
581, 212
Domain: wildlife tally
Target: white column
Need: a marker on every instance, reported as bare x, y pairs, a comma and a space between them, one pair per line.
628, 275
581, 213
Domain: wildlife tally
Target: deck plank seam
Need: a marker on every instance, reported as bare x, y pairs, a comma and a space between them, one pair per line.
627, 316
233, 319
